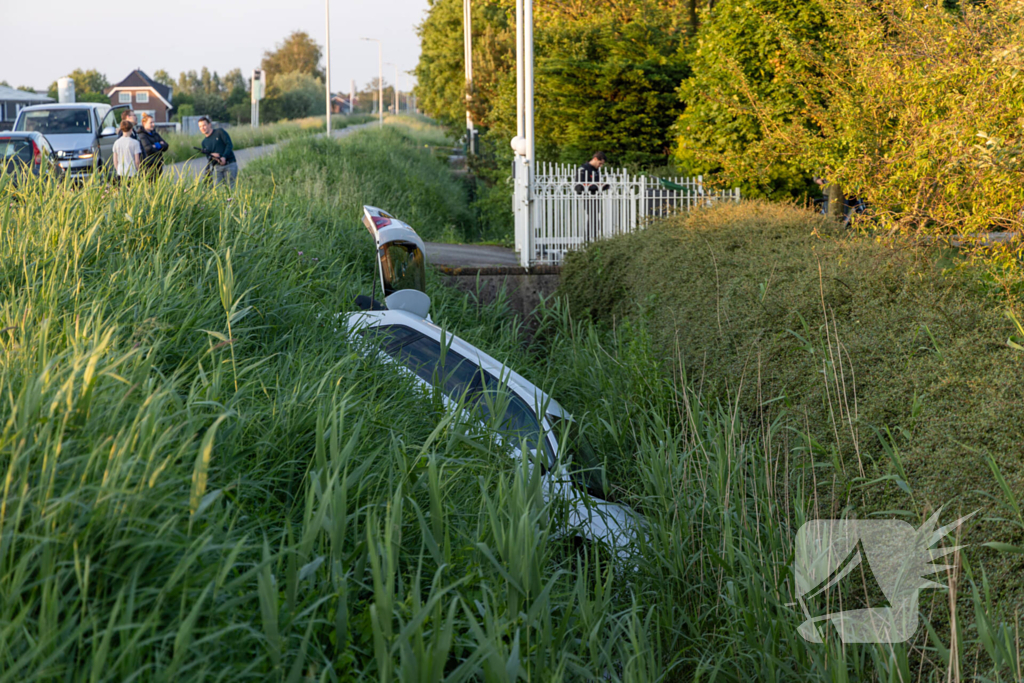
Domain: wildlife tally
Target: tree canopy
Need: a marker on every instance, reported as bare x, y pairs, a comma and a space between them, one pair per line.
296, 53
89, 85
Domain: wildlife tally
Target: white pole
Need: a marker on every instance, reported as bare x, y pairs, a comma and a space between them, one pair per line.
327, 15
528, 78
520, 75
351, 95
467, 42
380, 81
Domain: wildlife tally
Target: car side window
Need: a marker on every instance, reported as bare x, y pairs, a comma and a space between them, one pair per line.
109, 121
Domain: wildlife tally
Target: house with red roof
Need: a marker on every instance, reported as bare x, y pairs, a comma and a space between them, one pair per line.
143, 95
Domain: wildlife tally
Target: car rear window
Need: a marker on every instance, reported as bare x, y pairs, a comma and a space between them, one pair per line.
16, 149
55, 121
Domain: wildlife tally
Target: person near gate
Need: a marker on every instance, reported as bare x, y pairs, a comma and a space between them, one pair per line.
153, 148
588, 180
218, 144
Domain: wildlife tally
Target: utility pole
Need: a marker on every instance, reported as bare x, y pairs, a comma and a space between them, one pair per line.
351, 95
523, 142
467, 46
327, 20
380, 81
396, 85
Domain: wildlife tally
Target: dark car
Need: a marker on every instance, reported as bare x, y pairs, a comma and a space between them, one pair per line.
27, 153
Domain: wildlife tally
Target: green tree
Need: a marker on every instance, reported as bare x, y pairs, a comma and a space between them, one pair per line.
162, 77
294, 95
750, 59
298, 53
89, 86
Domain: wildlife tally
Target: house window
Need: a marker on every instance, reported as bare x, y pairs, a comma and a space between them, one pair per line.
142, 97
124, 98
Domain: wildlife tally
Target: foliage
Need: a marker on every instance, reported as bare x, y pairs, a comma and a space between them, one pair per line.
896, 380
296, 53
746, 84
606, 75
211, 105
293, 95
923, 116
89, 86
161, 76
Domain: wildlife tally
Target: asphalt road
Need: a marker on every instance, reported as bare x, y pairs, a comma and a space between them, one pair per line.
194, 167
450, 255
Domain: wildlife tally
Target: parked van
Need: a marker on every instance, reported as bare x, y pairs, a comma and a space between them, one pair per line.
81, 134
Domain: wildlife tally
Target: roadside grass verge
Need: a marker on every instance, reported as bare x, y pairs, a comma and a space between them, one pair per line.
389, 168
181, 145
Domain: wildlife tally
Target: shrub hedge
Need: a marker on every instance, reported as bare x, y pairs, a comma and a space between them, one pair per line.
889, 369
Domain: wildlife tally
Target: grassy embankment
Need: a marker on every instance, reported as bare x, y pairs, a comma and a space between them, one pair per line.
886, 372
204, 479
245, 136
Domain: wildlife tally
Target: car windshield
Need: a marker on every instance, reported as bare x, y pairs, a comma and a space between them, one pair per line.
585, 467
55, 121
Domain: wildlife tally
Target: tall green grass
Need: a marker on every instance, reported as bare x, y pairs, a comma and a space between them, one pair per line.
181, 145
204, 478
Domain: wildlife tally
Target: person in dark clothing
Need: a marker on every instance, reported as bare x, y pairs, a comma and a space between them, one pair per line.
588, 178
153, 148
589, 175
218, 143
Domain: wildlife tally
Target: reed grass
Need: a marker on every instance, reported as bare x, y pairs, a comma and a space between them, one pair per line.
204, 478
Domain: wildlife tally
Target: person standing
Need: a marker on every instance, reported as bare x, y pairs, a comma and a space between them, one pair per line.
127, 153
153, 148
217, 144
587, 178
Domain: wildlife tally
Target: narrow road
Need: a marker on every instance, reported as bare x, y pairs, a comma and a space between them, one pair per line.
193, 167
472, 256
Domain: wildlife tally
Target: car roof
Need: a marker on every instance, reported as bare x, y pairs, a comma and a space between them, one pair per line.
73, 105
526, 389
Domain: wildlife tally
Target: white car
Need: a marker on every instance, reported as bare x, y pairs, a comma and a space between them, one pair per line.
402, 331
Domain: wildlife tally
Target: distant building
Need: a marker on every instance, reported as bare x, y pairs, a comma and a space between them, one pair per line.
143, 95
339, 104
12, 101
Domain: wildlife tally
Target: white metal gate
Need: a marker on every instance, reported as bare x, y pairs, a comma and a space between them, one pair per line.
555, 214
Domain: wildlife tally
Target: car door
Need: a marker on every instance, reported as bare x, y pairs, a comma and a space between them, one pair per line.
108, 132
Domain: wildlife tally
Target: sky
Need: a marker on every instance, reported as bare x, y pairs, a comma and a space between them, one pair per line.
189, 34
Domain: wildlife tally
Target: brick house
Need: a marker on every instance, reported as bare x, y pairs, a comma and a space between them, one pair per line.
143, 95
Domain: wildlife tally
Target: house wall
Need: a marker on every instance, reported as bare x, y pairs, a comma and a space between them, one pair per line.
155, 106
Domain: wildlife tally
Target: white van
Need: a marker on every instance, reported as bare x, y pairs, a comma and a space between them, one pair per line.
81, 134
400, 330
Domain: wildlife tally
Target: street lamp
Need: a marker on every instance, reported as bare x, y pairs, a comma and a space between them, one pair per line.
327, 19
380, 81
396, 85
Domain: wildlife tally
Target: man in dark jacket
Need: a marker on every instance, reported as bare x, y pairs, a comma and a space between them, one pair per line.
153, 148
588, 178
218, 144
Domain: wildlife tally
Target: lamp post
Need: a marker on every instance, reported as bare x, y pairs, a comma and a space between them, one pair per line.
380, 81
396, 85
467, 46
523, 142
327, 20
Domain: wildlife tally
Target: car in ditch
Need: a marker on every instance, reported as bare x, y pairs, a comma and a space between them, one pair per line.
400, 331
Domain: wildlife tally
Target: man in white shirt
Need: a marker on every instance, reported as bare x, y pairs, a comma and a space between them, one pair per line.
127, 153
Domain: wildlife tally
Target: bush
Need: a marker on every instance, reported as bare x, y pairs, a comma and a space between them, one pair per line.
876, 361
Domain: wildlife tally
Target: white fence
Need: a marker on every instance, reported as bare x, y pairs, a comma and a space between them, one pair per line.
556, 214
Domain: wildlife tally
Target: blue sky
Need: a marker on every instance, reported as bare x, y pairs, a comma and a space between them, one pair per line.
188, 34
